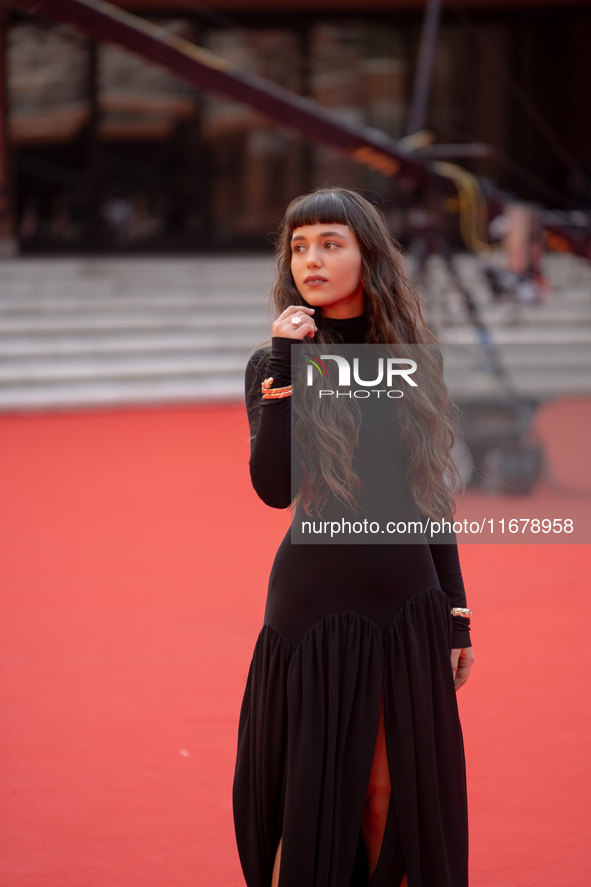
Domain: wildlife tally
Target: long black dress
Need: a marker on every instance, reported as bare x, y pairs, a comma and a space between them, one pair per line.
344, 626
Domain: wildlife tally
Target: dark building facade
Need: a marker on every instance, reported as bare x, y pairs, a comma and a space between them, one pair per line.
109, 152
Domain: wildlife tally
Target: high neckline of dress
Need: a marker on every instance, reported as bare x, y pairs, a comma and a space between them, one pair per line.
351, 329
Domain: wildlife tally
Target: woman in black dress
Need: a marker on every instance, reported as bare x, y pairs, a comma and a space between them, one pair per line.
350, 765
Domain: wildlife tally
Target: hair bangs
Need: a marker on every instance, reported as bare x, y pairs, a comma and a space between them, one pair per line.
320, 207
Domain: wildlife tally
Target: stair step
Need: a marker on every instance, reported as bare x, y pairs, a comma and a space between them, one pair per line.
575, 335
83, 333
157, 301
120, 368
128, 320
90, 344
522, 358
539, 385
120, 393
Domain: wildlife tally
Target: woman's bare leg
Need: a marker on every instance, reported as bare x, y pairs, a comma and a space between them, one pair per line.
377, 800
376, 807
277, 863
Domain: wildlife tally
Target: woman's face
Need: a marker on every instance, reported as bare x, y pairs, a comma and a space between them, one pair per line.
327, 268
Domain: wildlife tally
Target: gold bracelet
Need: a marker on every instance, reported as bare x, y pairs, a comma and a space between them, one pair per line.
274, 393
461, 611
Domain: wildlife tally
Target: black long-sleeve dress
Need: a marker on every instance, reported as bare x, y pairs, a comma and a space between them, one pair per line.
345, 625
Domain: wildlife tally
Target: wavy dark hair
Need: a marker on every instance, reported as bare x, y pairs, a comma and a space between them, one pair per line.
429, 419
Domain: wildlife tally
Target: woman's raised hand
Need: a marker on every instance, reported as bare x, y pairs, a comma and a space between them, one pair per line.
285, 328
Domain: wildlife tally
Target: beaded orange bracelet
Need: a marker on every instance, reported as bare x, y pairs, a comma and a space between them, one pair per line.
274, 393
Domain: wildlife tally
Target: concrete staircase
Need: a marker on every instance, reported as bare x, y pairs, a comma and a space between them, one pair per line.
545, 349
105, 332
98, 332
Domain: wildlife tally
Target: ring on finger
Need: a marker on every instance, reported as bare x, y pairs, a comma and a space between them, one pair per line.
296, 320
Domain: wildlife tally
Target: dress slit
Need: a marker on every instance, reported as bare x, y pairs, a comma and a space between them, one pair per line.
374, 829
308, 732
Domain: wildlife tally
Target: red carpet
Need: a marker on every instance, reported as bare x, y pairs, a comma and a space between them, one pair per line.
133, 561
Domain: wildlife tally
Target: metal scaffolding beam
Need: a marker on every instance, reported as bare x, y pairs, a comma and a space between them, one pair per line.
110, 24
